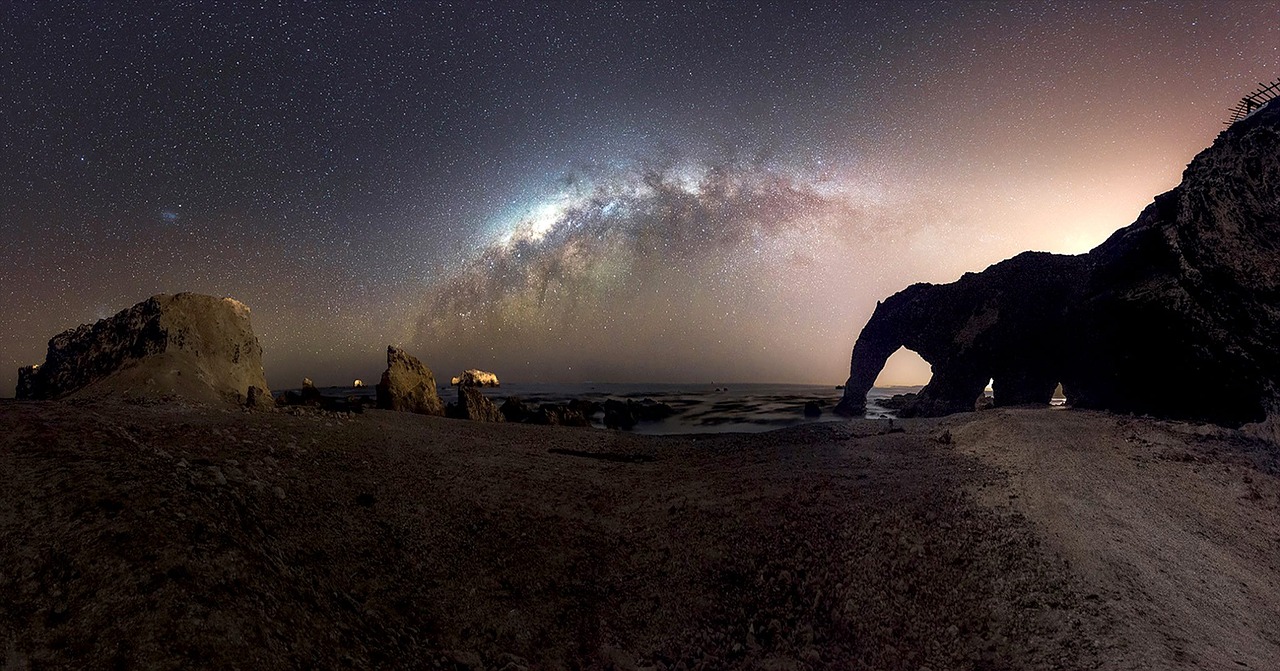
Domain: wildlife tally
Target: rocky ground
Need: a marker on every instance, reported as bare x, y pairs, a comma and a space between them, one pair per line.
161, 536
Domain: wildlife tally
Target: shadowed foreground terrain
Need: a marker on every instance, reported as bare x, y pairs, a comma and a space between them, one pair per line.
157, 536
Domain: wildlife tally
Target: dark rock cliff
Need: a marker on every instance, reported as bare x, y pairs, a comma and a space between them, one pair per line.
1176, 315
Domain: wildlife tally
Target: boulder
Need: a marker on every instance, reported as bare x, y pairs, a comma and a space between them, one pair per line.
258, 397
407, 385
474, 406
310, 395
472, 377
514, 409
187, 346
1174, 316
812, 409
898, 401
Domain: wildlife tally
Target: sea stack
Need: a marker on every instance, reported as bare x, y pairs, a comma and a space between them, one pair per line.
189, 346
473, 377
408, 385
1174, 316
474, 406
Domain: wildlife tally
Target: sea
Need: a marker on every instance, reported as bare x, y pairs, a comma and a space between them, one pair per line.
700, 408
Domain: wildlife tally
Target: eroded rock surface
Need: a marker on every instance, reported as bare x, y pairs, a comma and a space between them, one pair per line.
474, 406
473, 377
200, 348
1176, 315
407, 385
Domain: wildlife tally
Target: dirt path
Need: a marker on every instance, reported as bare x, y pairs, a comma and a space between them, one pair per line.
163, 537
1171, 525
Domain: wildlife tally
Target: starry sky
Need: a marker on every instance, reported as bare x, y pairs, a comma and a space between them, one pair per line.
573, 191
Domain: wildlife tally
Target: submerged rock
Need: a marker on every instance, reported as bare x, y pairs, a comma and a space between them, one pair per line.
626, 414
1174, 316
408, 386
190, 346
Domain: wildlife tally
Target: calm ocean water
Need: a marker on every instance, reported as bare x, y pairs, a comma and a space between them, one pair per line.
701, 408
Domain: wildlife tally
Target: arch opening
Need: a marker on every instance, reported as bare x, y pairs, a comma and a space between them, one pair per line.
987, 398
898, 383
1020, 387
904, 369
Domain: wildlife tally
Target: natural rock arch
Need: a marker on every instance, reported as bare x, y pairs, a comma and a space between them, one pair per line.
1175, 315
1006, 324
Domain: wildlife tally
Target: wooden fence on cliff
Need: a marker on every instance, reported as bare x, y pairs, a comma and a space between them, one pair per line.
1253, 101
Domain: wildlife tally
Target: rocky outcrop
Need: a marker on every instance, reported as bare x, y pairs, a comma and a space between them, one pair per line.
553, 414
26, 382
472, 377
474, 406
1177, 315
407, 385
514, 409
190, 346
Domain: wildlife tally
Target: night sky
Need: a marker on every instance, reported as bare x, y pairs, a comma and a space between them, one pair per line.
612, 191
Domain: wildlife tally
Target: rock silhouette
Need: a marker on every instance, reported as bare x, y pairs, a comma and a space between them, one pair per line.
191, 346
1176, 315
408, 386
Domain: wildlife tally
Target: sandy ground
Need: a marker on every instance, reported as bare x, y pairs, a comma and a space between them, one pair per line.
137, 536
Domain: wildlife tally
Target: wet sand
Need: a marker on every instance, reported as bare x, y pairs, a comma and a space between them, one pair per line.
149, 536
